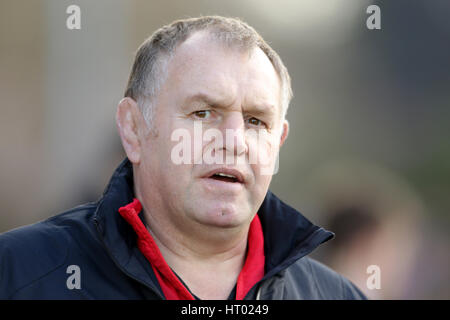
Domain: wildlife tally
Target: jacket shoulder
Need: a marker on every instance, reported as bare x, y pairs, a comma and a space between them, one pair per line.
330, 284
32, 252
310, 279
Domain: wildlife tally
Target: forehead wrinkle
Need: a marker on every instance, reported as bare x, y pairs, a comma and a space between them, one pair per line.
212, 100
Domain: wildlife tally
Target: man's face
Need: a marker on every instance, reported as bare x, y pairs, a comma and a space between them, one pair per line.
228, 91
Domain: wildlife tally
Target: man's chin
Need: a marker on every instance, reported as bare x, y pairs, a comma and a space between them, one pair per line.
222, 218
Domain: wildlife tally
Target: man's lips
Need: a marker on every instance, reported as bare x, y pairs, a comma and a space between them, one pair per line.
226, 174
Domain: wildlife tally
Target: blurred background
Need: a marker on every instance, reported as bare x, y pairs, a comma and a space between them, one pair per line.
368, 156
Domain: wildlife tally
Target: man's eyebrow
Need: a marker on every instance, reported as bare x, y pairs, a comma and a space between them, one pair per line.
202, 98
263, 109
205, 99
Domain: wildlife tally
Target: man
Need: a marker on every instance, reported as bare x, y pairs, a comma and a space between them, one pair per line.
189, 219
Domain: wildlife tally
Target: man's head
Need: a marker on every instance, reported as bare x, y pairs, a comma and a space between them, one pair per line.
219, 73
153, 56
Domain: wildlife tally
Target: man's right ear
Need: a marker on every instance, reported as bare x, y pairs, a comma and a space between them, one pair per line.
127, 121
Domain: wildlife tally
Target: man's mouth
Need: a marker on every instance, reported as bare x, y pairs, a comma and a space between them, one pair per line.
224, 177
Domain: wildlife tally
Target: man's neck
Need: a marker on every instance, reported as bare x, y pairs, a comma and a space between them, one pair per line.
210, 277
209, 268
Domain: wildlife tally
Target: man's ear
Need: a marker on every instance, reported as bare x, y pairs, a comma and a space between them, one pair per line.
285, 132
127, 121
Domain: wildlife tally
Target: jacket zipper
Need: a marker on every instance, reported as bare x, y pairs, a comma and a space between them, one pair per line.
258, 294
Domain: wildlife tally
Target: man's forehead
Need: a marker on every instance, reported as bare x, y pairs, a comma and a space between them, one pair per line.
200, 65
203, 43
206, 57
198, 50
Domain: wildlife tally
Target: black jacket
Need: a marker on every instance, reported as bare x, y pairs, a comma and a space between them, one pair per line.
36, 259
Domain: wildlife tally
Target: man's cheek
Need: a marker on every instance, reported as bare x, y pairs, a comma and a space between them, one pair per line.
263, 152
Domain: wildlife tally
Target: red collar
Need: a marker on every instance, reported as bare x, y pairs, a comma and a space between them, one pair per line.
173, 289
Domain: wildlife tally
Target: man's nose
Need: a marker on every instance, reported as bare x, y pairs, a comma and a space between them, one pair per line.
233, 130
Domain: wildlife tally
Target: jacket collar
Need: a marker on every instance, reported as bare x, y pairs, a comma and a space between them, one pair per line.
118, 237
288, 235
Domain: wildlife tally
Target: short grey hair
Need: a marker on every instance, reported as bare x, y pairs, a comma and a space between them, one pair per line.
149, 70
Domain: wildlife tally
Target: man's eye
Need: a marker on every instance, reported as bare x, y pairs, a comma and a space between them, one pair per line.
202, 114
256, 122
